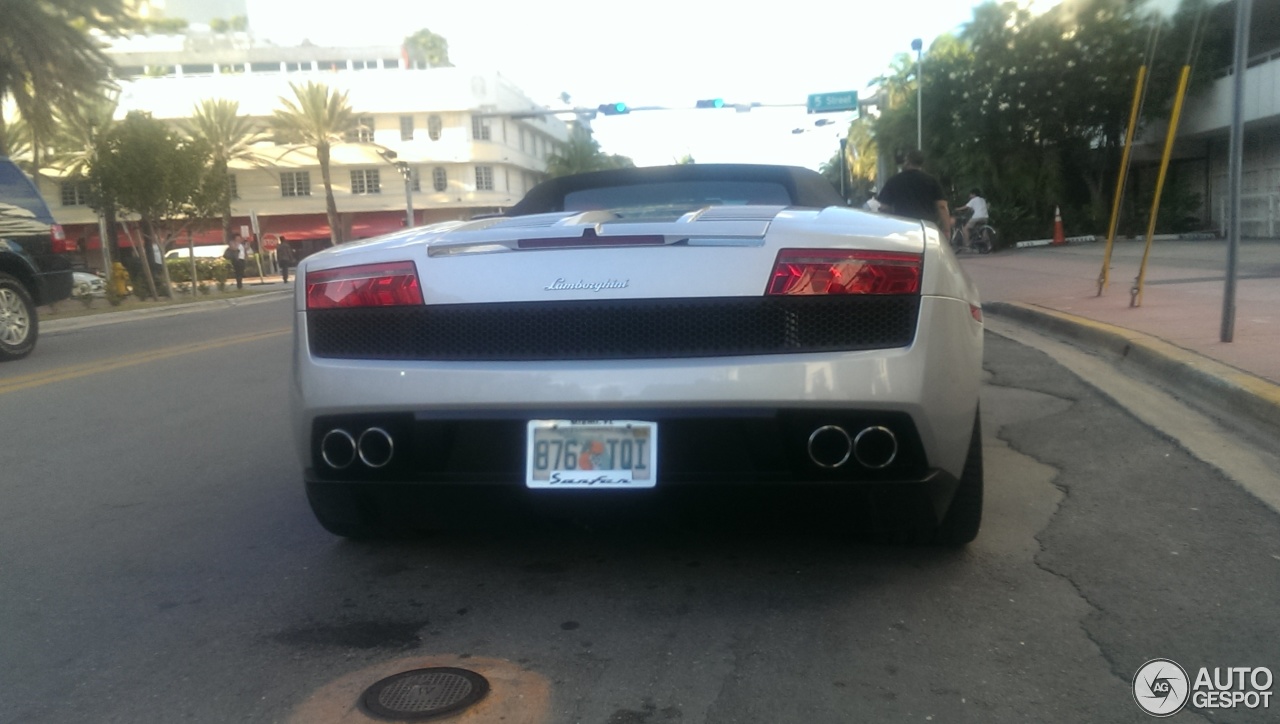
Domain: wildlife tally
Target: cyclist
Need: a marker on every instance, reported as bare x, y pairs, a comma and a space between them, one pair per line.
980, 215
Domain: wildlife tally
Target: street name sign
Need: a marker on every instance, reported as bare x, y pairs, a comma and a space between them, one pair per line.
832, 102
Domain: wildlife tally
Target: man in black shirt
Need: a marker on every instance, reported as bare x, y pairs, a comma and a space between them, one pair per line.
916, 194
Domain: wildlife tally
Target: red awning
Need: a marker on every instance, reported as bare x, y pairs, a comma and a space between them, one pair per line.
294, 227
302, 227
376, 223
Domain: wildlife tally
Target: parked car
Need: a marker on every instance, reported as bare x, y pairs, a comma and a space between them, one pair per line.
642, 328
207, 251
35, 267
85, 284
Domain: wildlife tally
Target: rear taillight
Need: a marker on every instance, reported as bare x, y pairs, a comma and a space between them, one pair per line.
369, 285
58, 240
844, 271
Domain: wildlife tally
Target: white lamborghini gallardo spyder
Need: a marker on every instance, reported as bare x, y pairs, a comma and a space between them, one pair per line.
643, 329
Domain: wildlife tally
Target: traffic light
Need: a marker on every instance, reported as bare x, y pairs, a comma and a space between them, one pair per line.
614, 109
711, 103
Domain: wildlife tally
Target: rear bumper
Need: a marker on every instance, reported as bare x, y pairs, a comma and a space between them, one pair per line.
732, 420
54, 283
695, 447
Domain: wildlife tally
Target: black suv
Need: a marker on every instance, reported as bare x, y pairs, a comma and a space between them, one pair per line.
34, 266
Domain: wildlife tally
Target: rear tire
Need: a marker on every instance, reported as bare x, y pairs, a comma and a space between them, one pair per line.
988, 240
344, 509
963, 519
19, 325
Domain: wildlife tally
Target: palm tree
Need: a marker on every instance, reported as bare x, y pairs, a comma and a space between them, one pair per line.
18, 137
317, 116
229, 137
76, 146
581, 154
899, 84
48, 60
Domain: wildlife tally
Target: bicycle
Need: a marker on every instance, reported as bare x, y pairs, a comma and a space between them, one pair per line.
982, 239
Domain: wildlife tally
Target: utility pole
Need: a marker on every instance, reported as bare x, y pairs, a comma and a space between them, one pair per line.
918, 46
1235, 164
407, 171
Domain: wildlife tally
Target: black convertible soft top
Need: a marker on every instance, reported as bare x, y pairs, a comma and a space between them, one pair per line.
805, 187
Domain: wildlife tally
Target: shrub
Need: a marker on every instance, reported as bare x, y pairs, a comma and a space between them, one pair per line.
206, 269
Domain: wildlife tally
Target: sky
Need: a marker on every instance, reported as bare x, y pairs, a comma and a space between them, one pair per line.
657, 52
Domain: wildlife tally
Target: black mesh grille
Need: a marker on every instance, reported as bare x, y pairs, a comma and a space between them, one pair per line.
616, 329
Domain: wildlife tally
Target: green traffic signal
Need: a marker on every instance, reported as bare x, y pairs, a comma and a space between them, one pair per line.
613, 109
711, 103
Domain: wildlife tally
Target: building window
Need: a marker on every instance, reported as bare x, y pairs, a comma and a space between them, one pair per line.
363, 132
295, 183
365, 181
233, 189
75, 193
439, 178
480, 128
434, 126
406, 128
484, 178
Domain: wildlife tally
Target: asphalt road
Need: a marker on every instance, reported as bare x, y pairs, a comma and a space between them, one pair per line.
158, 563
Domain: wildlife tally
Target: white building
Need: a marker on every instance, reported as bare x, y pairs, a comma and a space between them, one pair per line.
465, 138
1200, 158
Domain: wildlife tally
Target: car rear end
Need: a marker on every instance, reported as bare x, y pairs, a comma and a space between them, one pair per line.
752, 345
31, 232
35, 264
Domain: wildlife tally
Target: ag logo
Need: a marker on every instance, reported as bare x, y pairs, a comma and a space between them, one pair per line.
1161, 687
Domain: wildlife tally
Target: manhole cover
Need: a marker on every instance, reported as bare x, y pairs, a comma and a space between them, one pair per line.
424, 693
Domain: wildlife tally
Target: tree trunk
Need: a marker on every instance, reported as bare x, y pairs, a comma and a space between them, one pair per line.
226, 226
113, 231
226, 205
164, 266
331, 206
141, 243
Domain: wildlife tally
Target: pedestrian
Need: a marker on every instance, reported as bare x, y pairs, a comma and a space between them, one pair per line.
239, 254
285, 258
916, 194
871, 204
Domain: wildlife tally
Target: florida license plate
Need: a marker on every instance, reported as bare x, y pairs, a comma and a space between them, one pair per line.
592, 454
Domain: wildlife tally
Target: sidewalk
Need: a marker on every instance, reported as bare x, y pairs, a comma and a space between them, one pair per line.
261, 289
1175, 334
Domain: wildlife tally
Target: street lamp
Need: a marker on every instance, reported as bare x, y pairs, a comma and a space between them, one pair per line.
407, 172
918, 46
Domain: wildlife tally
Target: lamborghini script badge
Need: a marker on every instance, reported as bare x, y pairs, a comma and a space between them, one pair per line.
561, 285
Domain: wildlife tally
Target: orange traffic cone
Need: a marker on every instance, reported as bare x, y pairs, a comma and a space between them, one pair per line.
1059, 236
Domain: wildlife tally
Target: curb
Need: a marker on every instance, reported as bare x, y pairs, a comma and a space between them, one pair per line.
1189, 236
1208, 382
54, 326
1049, 242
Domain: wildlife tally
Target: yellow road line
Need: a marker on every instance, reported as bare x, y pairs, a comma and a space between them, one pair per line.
60, 374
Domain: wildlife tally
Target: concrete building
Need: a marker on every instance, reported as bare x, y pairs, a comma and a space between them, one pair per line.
463, 142
1201, 152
